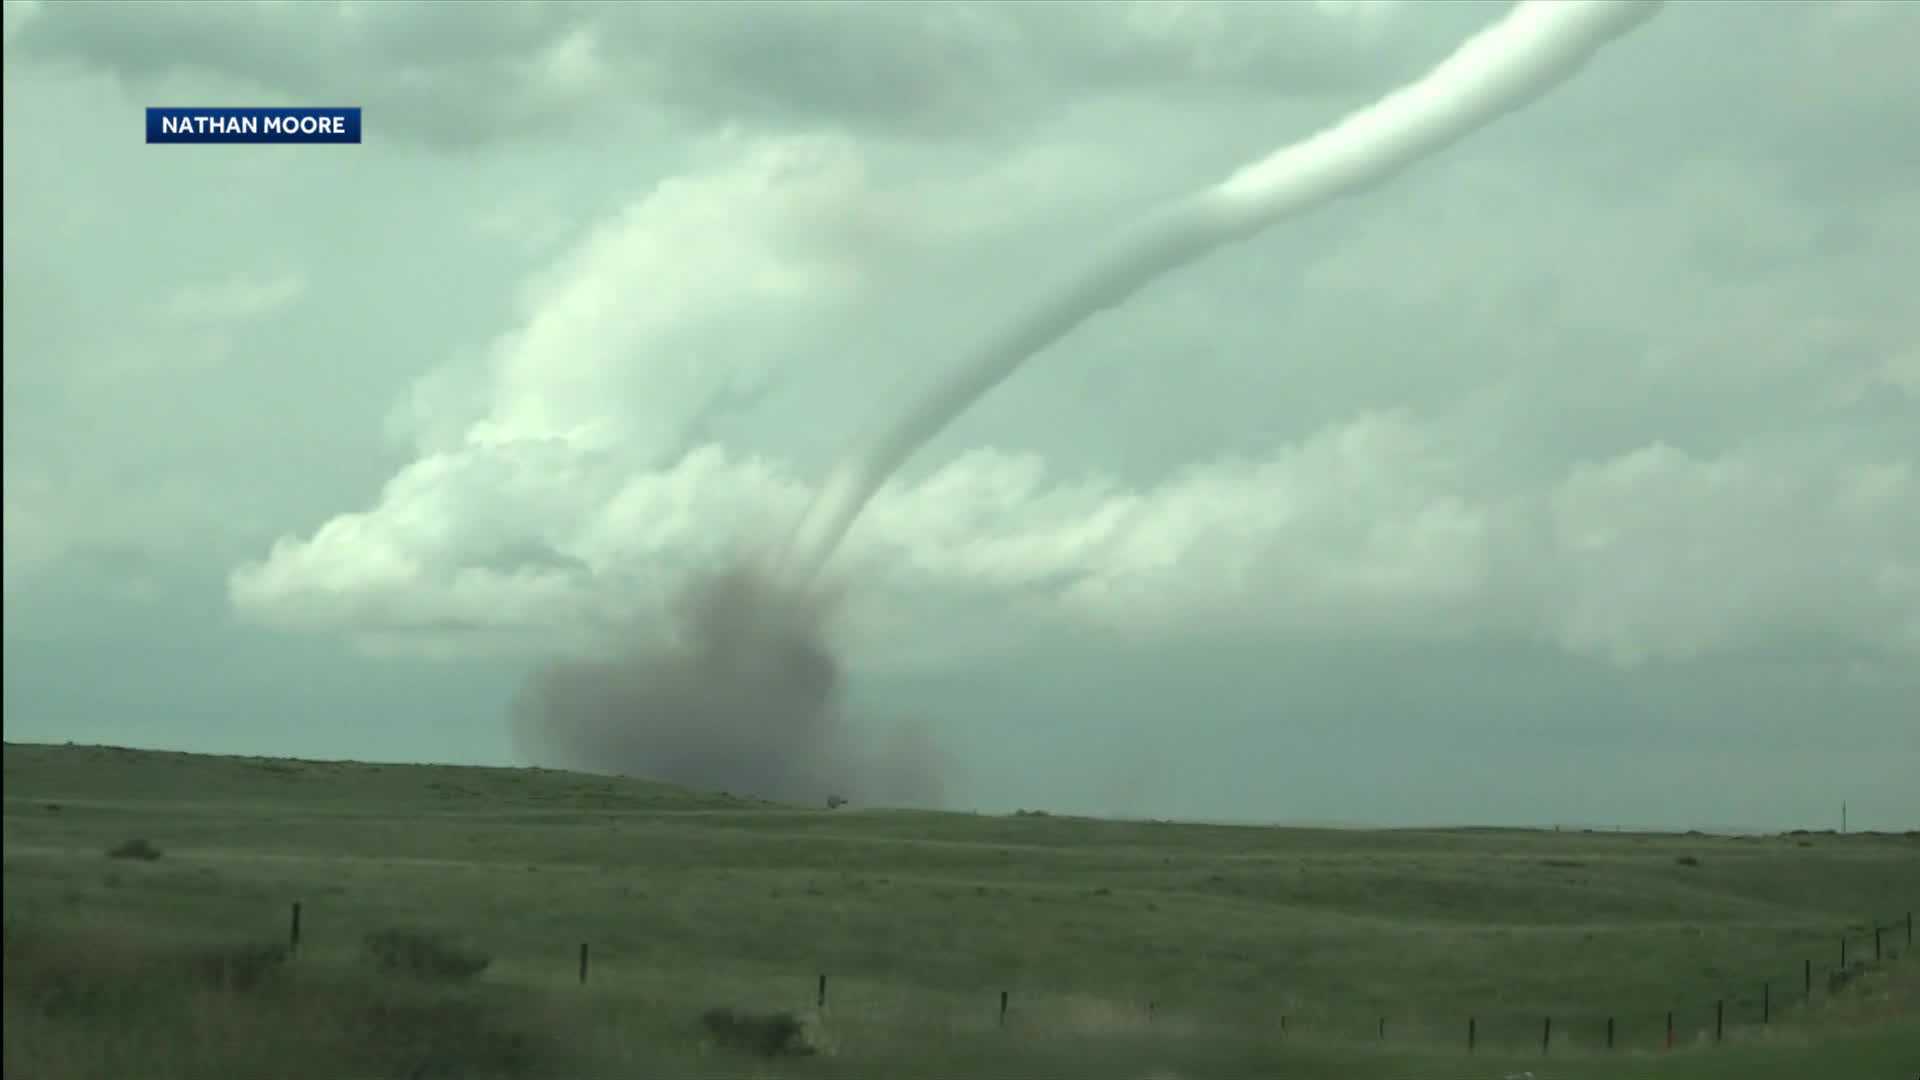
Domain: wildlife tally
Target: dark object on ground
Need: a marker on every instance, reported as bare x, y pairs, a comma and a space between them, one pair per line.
137, 848
835, 802
424, 956
1687, 860
1839, 980
765, 1034
237, 968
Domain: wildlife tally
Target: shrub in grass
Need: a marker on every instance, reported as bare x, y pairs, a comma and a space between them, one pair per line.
423, 956
448, 1038
766, 1034
238, 968
1687, 860
113, 1004
137, 848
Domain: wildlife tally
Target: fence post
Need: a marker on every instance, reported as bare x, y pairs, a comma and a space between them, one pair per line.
1283, 1025
1003, 1008
1470, 1034
583, 963
293, 930
1843, 952
1546, 1036
1669, 1029
1151, 1007
1383, 1029
1766, 1003
1876, 942
820, 998
1719, 1019
1909, 929
1809, 988
1609, 1032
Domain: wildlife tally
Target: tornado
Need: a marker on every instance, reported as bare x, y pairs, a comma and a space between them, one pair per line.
1534, 48
745, 695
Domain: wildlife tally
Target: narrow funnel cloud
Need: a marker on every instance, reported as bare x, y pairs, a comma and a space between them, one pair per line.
1538, 45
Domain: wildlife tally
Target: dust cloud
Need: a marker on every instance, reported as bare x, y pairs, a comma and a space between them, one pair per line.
744, 696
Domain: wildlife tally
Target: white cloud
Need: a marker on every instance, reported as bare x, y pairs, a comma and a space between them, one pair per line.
1623, 376
1378, 526
1648, 424
460, 75
1663, 555
235, 299
16, 14
30, 541
607, 350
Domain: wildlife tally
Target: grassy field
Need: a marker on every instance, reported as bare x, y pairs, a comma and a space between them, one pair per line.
1127, 950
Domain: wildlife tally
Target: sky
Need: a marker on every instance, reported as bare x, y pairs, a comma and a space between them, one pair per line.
1572, 477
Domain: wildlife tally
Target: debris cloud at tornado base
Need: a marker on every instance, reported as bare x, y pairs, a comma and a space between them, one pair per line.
746, 695
745, 698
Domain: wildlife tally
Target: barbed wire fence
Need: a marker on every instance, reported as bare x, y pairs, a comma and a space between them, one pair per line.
1754, 1001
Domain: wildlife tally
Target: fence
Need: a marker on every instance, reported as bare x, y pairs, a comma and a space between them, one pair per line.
1763, 998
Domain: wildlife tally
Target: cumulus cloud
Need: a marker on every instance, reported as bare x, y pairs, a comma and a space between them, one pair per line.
1656, 423
1380, 526
462, 74
1647, 395
234, 299
1664, 555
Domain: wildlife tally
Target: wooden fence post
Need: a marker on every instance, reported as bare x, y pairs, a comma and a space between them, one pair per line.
583, 963
1609, 1032
1669, 1029
293, 930
1719, 1019
1546, 1036
1766, 1003
1003, 1008
1471, 1033
820, 999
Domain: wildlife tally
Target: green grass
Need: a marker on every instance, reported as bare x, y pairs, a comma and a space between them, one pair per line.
691, 901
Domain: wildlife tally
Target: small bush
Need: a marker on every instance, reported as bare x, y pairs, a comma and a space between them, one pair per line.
136, 848
111, 1005
238, 968
423, 956
765, 1034
835, 802
451, 1039
1687, 860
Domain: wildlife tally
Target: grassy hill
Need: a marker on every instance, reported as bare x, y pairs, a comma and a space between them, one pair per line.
1124, 947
